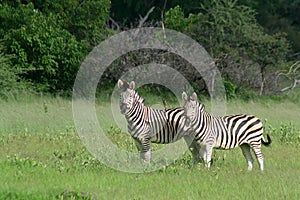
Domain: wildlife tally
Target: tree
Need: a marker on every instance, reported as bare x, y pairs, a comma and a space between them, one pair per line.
269, 51
278, 16
49, 39
10, 83
13, 15
231, 35
44, 53
84, 19
127, 13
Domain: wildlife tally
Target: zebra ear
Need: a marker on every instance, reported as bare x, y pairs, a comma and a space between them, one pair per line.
120, 84
132, 85
184, 96
194, 96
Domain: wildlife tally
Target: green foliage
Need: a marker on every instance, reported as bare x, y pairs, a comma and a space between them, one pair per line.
13, 16
175, 19
49, 39
128, 12
286, 134
278, 16
267, 50
83, 19
224, 27
44, 53
230, 89
11, 84
221, 28
231, 35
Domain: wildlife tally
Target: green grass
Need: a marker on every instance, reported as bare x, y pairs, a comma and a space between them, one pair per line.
36, 115
42, 167
42, 157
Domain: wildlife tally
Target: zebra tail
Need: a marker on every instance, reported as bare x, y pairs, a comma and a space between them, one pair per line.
266, 143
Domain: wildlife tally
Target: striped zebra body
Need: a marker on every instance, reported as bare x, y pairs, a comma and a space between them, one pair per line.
163, 125
146, 124
224, 132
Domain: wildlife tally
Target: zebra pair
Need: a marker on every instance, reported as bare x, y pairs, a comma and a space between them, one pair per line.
147, 125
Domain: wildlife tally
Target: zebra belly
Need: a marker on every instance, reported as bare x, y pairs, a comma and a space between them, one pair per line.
163, 137
226, 140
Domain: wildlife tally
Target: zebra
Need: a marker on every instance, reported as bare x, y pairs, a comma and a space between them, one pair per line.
146, 124
223, 132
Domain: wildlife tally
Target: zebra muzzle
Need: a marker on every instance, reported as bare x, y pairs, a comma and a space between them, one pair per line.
123, 109
187, 122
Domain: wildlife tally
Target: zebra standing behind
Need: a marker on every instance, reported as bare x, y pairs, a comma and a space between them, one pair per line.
226, 132
146, 124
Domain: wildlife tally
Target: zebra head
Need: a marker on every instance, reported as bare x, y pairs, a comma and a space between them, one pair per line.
191, 108
129, 98
126, 95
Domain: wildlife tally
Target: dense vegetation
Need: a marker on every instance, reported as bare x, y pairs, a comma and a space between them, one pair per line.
44, 42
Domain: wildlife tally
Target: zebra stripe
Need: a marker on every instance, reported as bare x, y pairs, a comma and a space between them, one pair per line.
224, 132
146, 124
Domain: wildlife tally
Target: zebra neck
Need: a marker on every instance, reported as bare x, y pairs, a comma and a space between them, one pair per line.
138, 98
201, 119
136, 112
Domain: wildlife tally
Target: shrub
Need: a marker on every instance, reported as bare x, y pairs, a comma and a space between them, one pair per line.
230, 89
44, 53
10, 83
286, 134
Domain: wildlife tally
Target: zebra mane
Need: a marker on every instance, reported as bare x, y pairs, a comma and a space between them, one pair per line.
138, 98
201, 107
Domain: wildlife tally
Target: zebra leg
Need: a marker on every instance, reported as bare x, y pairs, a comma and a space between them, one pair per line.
208, 149
196, 152
144, 150
247, 154
259, 156
193, 147
203, 153
139, 146
146, 156
189, 142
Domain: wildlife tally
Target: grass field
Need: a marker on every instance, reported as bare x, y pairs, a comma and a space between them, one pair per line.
42, 157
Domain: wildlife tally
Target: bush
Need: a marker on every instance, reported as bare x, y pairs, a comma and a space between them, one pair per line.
44, 53
10, 83
285, 134
49, 39
230, 89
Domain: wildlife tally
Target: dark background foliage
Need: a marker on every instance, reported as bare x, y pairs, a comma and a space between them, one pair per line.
253, 43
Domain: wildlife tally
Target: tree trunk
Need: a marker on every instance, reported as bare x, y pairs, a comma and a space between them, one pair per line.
263, 79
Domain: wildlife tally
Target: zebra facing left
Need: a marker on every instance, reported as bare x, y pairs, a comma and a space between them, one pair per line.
224, 132
146, 124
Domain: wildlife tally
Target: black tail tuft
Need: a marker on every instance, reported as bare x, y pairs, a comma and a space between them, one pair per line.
268, 142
